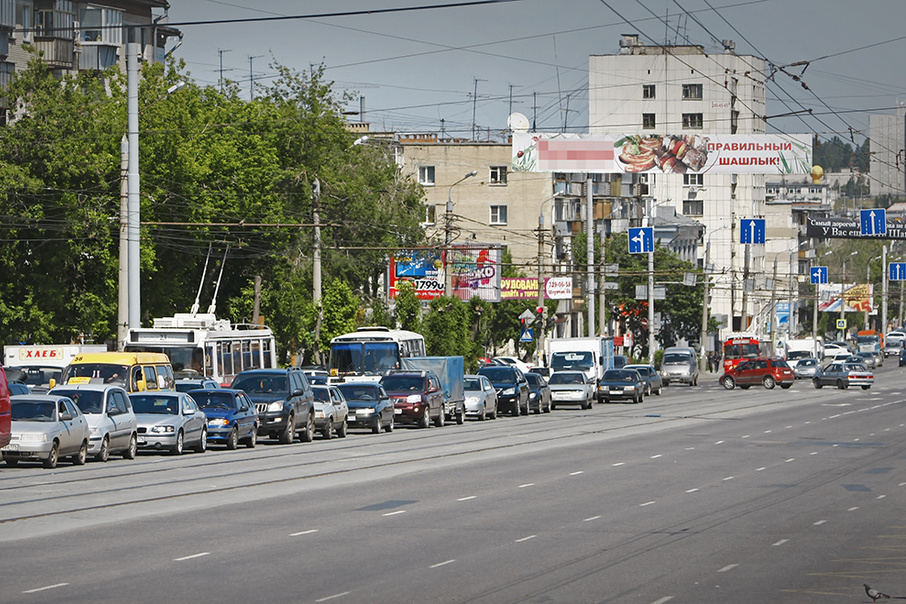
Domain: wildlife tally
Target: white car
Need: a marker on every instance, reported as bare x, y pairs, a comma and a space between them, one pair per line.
481, 397
110, 418
169, 421
571, 388
331, 411
514, 362
45, 428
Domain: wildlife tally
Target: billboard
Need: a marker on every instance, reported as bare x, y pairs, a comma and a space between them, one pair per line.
856, 296
555, 288
475, 271
663, 153
849, 228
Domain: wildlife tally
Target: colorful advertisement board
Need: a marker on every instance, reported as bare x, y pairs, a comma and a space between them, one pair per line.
858, 297
663, 153
475, 271
555, 288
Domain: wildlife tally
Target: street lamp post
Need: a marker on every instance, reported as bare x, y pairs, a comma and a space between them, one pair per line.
868, 283
842, 299
448, 226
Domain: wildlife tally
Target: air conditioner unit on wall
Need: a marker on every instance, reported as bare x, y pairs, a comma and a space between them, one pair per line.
693, 190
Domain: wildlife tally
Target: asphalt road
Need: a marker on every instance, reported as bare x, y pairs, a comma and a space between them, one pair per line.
699, 495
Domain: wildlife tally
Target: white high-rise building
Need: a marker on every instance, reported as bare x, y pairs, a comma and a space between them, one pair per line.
888, 153
684, 90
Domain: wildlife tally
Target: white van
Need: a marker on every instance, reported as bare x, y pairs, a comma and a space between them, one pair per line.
679, 365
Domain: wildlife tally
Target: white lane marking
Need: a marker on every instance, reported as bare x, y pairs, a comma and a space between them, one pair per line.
835, 416
690, 448
345, 593
728, 478
641, 505
525, 538
881, 496
576, 473
46, 587
590, 519
528, 484
727, 567
761, 468
768, 431
790, 459
662, 600
466, 498
901, 484
192, 556
394, 513
308, 532
787, 427
619, 464
746, 436
691, 490
819, 523
813, 453
720, 442
853, 509
439, 564
656, 456
781, 542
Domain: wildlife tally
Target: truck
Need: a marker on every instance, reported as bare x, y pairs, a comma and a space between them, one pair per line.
803, 348
451, 372
869, 340
593, 356
37, 364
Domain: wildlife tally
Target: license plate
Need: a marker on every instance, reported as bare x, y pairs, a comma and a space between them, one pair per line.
397, 411
616, 392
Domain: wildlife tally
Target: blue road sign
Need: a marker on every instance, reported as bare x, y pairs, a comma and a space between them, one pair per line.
873, 221
818, 275
641, 240
751, 230
526, 335
898, 271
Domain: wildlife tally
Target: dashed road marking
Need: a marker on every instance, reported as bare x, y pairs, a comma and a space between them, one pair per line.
45, 588
781, 542
308, 532
720, 442
819, 523
789, 460
691, 490
199, 555
528, 484
662, 600
340, 595
853, 509
525, 538
727, 567
576, 473
641, 505
444, 563
618, 464
394, 513
761, 468
590, 519
466, 498
656, 456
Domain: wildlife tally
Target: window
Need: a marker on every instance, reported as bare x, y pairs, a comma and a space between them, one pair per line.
692, 91
648, 121
498, 214
426, 175
55, 22
101, 25
498, 175
695, 180
648, 91
430, 214
693, 120
691, 207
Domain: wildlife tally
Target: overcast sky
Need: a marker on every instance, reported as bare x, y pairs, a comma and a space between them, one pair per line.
418, 70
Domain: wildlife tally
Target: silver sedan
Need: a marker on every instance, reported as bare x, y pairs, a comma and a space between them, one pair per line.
46, 428
481, 397
169, 421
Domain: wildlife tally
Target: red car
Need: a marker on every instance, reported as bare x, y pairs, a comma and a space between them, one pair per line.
769, 372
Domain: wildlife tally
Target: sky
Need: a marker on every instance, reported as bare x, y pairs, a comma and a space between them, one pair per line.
450, 69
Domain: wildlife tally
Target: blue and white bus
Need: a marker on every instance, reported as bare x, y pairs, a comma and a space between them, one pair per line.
369, 352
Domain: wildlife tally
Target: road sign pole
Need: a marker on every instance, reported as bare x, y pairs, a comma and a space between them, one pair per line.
651, 308
884, 294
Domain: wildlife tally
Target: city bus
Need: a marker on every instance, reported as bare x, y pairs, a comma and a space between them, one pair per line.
743, 346
369, 352
200, 345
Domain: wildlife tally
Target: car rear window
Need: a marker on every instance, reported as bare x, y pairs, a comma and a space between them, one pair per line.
214, 400
619, 376
499, 374
567, 378
403, 383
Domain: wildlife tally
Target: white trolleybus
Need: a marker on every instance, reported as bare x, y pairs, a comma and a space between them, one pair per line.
200, 345
369, 352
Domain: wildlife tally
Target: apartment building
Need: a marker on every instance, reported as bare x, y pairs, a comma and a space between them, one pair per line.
888, 153
685, 90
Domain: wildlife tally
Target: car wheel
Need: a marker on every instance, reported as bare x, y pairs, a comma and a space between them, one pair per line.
666, 383
515, 412
484, 414
202, 445
343, 428
104, 453
817, 384
606, 401
460, 418
494, 413
659, 391
232, 440
425, 420
133, 448
839, 384
553, 406
12, 462
865, 387
327, 432
79, 458
252, 440
439, 420
548, 408
53, 457
376, 428
308, 432
768, 382
177, 448
728, 383
286, 435
389, 427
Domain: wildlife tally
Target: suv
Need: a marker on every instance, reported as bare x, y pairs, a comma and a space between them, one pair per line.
769, 372
512, 388
284, 401
417, 397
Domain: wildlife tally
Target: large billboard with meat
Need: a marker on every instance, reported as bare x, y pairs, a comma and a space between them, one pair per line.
663, 153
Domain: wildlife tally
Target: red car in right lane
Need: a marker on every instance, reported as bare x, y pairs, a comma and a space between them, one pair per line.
769, 372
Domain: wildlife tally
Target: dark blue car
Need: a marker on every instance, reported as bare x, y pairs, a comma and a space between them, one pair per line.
369, 406
231, 414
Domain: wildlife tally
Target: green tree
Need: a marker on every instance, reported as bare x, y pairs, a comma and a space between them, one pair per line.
448, 328
408, 307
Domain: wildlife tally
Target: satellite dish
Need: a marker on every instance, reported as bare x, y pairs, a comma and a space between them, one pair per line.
517, 122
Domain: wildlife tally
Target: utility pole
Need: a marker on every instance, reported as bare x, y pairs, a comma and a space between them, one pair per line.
316, 264
733, 272
744, 324
884, 275
252, 77
220, 51
448, 228
590, 255
773, 309
122, 322
704, 336
650, 223
539, 349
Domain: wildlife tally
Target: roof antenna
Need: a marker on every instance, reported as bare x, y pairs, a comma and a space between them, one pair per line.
219, 277
196, 305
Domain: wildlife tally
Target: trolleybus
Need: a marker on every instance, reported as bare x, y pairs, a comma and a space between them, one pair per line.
369, 352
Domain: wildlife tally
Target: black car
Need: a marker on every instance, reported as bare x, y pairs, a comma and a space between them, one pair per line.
511, 386
622, 384
539, 393
284, 401
369, 406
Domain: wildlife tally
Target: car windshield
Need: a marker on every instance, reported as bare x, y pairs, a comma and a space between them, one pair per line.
156, 404
854, 367
403, 383
566, 378
32, 411
100, 373
572, 360
807, 363
261, 383
91, 402
675, 358
211, 399
322, 393
780, 363
359, 392
797, 354
619, 376
472, 384
642, 369
40, 376
534, 379
499, 375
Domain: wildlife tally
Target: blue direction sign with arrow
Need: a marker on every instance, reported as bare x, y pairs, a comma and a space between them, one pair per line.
819, 275
873, 221
641, 240
898, 271
751, 230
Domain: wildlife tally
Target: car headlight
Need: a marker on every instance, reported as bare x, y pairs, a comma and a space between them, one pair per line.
471, 400
275, 406
219, 422
508, 391
365, 411
533, 395
94, 431
414, 398
30, 437
162, 429
604, 388
319, 414
630, 387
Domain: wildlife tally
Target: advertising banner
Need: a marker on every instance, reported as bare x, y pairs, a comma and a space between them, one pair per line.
849, 228
475, 271
667, 153
857, 297
555, 288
